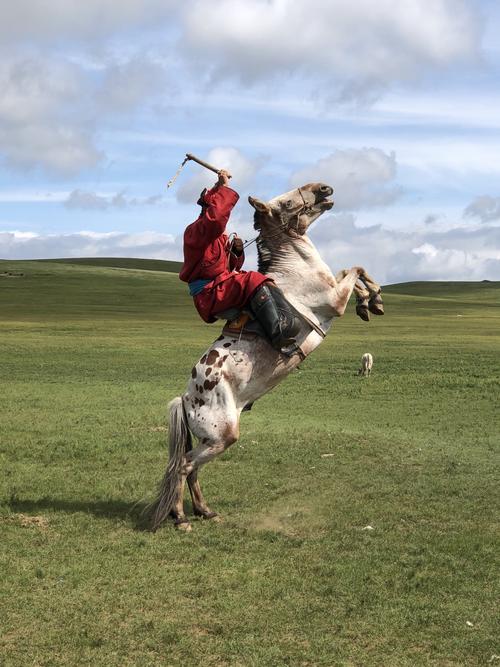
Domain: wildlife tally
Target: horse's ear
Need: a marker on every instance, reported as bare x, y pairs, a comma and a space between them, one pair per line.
258, 205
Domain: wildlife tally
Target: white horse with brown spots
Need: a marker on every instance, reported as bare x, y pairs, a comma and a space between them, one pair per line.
235, 371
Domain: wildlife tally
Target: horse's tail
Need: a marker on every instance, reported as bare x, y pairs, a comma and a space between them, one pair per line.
179, 442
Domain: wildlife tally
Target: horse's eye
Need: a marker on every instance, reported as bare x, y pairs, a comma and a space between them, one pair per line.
289, 203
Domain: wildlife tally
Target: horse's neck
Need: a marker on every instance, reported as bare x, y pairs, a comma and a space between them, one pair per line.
305, 279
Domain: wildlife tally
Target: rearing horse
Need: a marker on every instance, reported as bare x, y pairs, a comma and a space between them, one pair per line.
235, 371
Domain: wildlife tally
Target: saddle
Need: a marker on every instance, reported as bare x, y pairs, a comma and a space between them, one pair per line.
240, 323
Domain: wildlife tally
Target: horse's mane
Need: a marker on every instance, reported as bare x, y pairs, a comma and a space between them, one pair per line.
264, 253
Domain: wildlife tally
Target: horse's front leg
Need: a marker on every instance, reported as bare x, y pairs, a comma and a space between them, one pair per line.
375, 303
347, 283
368, 299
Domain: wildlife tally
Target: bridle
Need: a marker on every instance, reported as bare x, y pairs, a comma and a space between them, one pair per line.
286, 220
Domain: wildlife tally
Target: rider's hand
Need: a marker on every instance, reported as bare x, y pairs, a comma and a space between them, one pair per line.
237, 246
224, 177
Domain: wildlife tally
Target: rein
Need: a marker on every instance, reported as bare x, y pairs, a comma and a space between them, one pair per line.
314, 326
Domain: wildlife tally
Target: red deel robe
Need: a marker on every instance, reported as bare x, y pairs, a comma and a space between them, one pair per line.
207, 255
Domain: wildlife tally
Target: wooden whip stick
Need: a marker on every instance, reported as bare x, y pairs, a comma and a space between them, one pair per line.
190, 156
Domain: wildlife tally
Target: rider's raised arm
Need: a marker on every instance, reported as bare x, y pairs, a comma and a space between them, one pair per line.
216, 205
219, 202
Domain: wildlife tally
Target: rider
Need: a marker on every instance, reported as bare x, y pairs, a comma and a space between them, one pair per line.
212, 268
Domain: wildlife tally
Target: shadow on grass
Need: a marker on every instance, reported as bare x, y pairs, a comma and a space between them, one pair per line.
137, 513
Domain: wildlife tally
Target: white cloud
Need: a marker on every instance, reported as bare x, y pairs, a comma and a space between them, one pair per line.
92, 19
484, 207
359, 177
427, 250
24, 196
130, 84
81, 199
36, 127
54, 104
241, 168
392, 256
28, 245
454, 264
50, 107
34, 88
87, 200
65, 150
363, 46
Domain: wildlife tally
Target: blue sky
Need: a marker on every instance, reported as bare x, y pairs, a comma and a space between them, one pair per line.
395, 104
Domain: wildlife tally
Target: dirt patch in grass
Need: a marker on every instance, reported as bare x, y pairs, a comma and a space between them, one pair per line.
27, 521
289, 521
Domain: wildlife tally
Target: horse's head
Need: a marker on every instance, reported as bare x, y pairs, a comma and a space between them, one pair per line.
293, 212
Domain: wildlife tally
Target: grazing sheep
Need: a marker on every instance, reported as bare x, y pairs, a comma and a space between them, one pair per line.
366, 364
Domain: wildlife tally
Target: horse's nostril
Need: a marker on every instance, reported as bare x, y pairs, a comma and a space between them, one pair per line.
325, 188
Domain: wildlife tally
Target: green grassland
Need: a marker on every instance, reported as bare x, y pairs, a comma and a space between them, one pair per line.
91, 354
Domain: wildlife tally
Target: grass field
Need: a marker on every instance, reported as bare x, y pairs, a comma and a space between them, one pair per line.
90, 355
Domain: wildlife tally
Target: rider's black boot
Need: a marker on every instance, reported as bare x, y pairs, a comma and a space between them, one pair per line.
278, 317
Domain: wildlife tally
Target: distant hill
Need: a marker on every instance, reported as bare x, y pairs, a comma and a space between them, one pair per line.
121, 263
485, 291
95, 289
477, 291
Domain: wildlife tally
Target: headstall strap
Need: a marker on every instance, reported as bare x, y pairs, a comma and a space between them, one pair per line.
302, 197
285, 221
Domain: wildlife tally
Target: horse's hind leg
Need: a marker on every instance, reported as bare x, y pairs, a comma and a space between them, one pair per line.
177, 512
189, 473
204, 453
200, 507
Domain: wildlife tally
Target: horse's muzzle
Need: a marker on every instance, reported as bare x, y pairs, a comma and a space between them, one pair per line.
321, 196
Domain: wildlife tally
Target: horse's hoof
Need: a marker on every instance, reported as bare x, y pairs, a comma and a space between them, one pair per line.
376, 305
208, 516
362, 311
184, 526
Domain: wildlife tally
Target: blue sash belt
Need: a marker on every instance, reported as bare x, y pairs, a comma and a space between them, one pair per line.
196, 286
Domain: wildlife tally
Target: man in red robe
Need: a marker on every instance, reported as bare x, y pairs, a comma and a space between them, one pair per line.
212, 268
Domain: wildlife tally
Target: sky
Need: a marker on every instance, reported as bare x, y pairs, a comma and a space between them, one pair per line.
395, 104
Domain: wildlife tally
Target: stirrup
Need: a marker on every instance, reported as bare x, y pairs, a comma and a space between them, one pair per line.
290, 350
